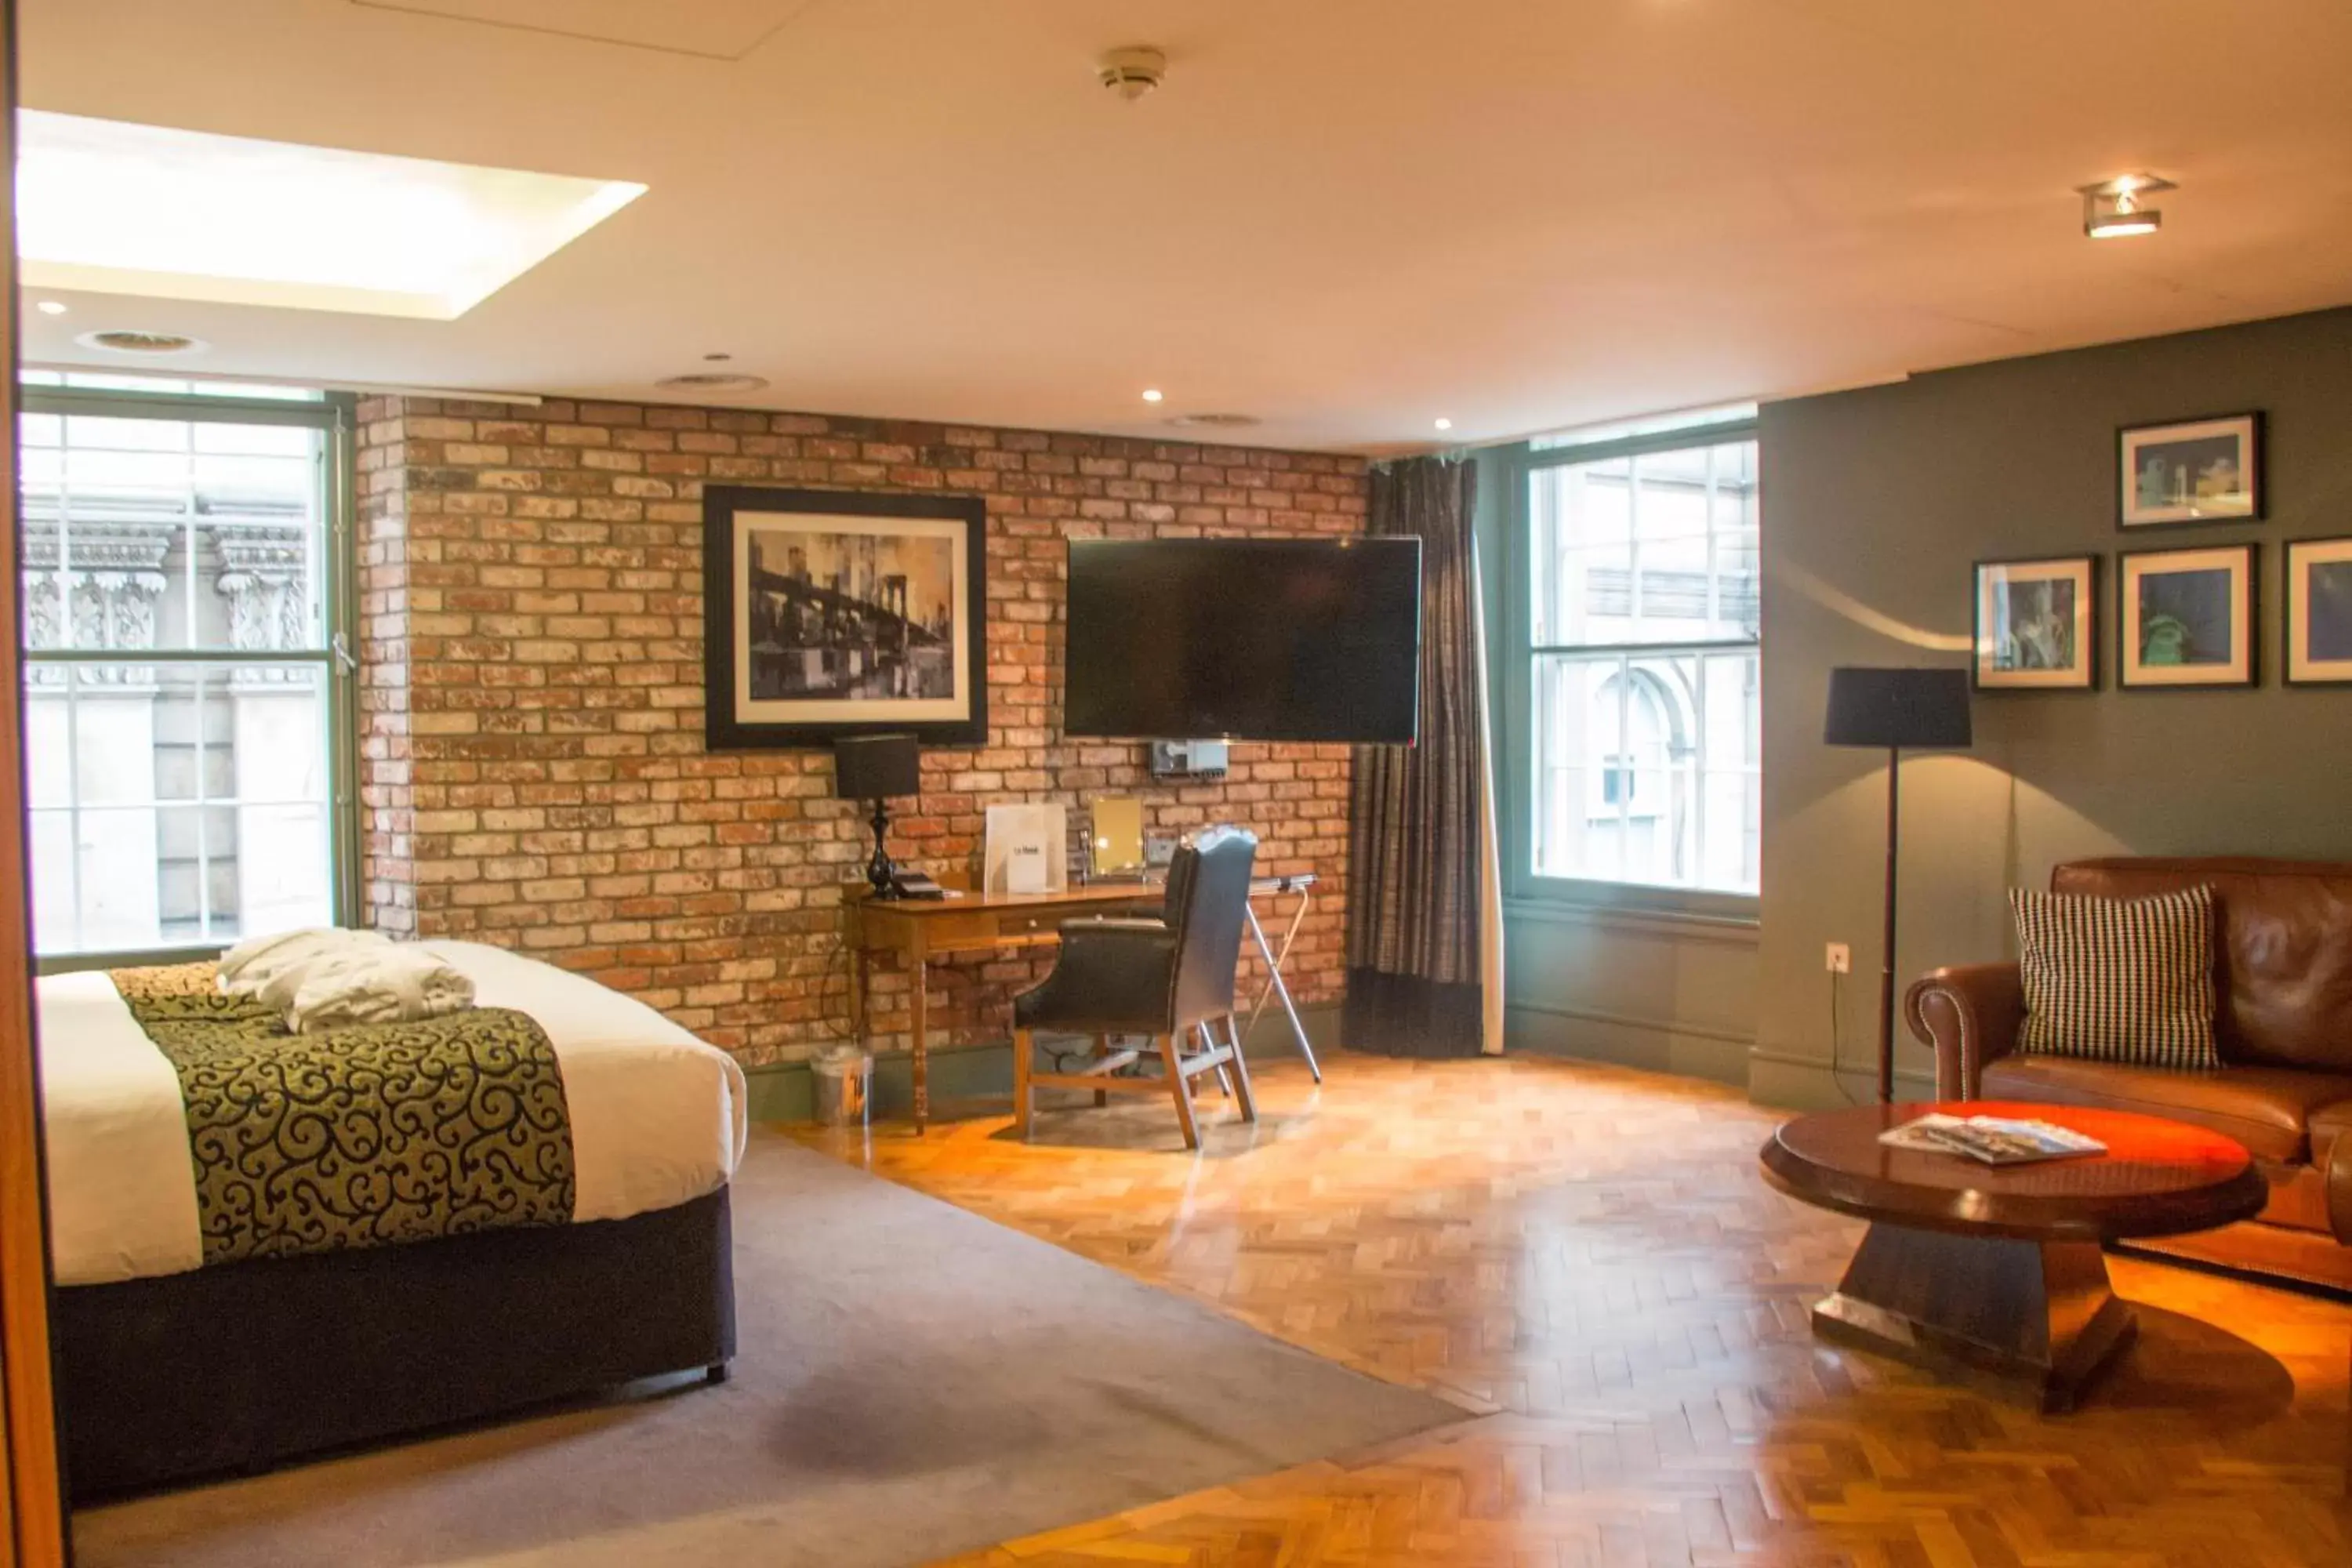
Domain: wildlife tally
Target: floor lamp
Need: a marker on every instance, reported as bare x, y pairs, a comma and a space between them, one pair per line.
1894, 709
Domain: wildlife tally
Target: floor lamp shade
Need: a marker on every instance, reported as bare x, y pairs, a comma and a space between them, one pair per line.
1889, 710
1894, 708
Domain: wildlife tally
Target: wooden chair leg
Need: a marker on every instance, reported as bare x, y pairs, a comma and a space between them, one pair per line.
1181, 1090
1023, 1045
1102, 1049
1241, 1069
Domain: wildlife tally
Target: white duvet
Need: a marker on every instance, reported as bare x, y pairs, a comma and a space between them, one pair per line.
658, 1115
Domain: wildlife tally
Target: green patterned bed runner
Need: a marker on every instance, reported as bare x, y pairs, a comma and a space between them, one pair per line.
357, 1137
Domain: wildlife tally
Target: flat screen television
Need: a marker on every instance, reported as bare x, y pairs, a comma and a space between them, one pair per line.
1272, 639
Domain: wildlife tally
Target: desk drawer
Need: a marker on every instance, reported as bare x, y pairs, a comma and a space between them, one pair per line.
1015, 927
947, 933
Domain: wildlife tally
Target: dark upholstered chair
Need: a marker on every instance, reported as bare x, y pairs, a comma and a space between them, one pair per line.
1166, 978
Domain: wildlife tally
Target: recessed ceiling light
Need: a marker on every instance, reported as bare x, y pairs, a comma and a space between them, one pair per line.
124, 341
51, 307
184, 215
1215, 421
2117, 208
713, 381
1152, 394
1446, 423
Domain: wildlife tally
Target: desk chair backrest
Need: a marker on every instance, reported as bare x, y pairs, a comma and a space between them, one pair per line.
1208, 902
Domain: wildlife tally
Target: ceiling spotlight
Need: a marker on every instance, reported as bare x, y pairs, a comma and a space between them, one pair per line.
1152, 394
51, 307
1446, 423
2114, 209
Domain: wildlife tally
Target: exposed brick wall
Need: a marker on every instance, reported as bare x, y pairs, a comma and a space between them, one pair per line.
532, 764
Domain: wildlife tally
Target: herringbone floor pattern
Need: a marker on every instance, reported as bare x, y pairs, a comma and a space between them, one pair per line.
1586, 1261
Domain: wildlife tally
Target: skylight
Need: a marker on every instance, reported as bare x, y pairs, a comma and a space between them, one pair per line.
120, 208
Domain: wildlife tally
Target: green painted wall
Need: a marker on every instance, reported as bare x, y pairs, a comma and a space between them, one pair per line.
1666, 994
1877, 503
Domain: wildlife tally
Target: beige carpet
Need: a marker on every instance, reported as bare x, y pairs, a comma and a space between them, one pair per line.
912, 1381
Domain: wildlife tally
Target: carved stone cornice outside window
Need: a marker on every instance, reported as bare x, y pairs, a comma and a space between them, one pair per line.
264, 576
106, 601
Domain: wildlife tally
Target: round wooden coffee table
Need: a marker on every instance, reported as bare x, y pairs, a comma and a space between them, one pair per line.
1994, 1274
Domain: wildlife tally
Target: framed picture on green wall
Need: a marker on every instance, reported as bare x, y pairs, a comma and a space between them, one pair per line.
2036, 625
2185, 619
2319, 612
2194, 470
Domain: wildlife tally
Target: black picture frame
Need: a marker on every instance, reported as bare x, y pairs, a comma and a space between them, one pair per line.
2087, 636
852, 639
2132, 669
2133, 514
2295, 626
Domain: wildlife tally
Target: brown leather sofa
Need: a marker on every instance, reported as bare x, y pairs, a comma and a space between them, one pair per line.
2284, 1029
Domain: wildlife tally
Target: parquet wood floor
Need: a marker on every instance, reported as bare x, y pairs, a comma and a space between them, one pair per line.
1586, 1261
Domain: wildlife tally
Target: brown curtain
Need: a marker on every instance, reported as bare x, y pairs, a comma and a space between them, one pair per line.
1417, 812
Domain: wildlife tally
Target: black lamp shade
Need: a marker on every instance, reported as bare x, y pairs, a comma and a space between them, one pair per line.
876, 767
1890, 708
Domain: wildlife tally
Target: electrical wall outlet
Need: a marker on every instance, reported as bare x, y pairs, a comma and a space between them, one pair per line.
1840, 959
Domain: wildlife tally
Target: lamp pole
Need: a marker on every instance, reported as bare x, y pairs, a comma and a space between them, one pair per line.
1887, 709
1886, 947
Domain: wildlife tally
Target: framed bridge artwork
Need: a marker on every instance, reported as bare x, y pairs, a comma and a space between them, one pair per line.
828, 613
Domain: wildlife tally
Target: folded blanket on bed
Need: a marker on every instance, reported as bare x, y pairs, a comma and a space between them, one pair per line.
371, 985
329, 978
361, 1135
247, 969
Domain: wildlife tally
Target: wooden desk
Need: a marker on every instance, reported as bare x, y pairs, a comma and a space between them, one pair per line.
920, 930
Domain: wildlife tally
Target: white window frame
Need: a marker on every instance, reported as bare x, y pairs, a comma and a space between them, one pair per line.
334, 416
1519, 761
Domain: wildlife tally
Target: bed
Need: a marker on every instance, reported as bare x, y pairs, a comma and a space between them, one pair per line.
173, 1367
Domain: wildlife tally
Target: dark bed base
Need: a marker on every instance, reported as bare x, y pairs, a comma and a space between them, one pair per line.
247, 1365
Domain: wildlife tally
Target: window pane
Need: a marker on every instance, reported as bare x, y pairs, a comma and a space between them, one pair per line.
176, 804
1658, 548
172, 533
1647, 769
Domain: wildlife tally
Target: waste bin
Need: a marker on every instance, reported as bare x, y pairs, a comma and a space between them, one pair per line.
842, 1075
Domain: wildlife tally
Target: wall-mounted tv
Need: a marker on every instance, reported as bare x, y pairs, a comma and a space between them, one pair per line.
1257, 639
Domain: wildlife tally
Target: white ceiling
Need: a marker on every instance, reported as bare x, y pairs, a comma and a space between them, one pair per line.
1346, 216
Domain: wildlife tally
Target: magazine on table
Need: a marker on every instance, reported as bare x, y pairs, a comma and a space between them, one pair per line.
1991, 1139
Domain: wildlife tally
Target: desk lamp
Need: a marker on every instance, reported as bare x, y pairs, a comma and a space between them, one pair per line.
876, 768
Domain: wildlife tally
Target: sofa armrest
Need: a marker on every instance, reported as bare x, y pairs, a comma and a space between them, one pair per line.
2339, 1189
1970, 1013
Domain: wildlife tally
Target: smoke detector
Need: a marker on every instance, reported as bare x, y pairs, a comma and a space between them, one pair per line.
1133, 71
114, 341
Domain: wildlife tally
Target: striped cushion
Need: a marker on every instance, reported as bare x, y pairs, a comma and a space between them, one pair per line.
2118, 980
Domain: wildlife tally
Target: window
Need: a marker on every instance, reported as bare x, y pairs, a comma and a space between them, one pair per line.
181, 698
1642, 677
